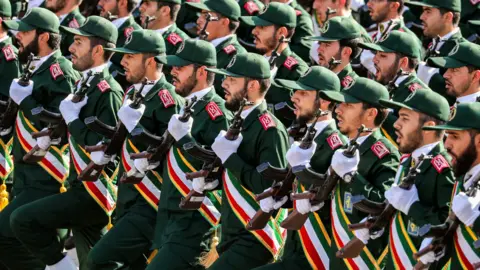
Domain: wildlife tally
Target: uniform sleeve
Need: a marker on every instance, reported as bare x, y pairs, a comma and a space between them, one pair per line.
162, 117
299, 45
210, 131
9, 72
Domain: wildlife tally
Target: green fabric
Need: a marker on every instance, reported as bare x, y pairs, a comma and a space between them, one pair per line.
95, 26
142, 41
397, 41
170, 45
9, 69
466, 116
5, 8
453, 5
316, 78
192, 51
36, 18
465, 54
275, 14
359, 90
227, 8
346, 76
71, 20
304, 28
338, 28
248, 65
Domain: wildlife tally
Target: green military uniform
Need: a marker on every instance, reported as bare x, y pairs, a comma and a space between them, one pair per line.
36, 223
53, 80
304, 28
433, 182
73, 20
376, 171
470, 11
180, 235
244, 32
132, 235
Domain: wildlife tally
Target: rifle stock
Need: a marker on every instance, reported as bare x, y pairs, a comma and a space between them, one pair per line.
99, 127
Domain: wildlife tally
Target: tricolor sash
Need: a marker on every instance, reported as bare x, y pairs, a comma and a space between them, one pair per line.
6, 162
150, 186
244, 206
56, 162
177, 166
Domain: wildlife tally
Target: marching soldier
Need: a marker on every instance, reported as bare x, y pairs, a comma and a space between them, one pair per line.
181, 236
273, 29
369, 172
52, 79
128, 243
244, 32
220, 31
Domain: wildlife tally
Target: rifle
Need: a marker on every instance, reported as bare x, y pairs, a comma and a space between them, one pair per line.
375, 223
212, 168
275, 53
10, 114
432, 50
93, 171
56, 125
443, 234
203, 33
392, 85
284, 110
158, 146
297, 130
328, 13
333, 63
322, 185
148, 20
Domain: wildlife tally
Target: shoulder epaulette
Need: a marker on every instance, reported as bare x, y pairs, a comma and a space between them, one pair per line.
474, 2
267, 121
379, 149
404, 157
414, 87
128, 31
74, 24
174, 39
103, 86
298, 12
290, 62
348, 80
229, 49
440, 163
213, 110
251, 7
56, 71
334, 141
166, 98
9, 53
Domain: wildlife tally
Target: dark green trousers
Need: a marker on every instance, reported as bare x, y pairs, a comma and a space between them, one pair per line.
36, 224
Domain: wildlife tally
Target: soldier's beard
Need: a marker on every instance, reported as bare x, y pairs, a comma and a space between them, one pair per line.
270, 45
465, 160
412, 141
59, 6
83, 63
187, 87
32, 47
390, 73
236, 99
306, 117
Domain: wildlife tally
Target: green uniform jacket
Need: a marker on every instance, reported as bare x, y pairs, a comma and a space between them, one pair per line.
155, 119
173, 38
469, 12
376, 173
400, 26
244, 32
74, 19
48, 92
225, 52
260, 144
123, 32
303, 29
347, 76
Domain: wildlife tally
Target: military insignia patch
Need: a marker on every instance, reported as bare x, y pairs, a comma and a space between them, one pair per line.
166, 98
267, 121
232, 62
379, 149
474, 2
73, 24
306, 73
128, 31
325, 27
174, 39
103, 86
453, 112
298, 12
414, 87
347, 82
440, 163
404, 157
290, 62
270, 107
194, 1
9, 53
128, 39
180, 49
334, 141
347, 203
251, 7
229, 49
412, 228
213, 110
56, 71
454, 50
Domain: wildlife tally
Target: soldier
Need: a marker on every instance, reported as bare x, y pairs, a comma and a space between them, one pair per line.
469, 12
119, 12
244, 32
371, 170
128, 243
70, 16
463, 72
275, 24
52, 80
220, 32
181, 236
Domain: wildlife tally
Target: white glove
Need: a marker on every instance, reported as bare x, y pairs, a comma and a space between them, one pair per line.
342, 164
130, 116
200, 186
269, 204
366, 58
99, 158
71, 110
425, 73
143, 165
356, 4
466, 208
18, 93
224, 148
179, 129
44, 142
5, 132
400, 198
298, 156
304, 206
430, 256
364, 234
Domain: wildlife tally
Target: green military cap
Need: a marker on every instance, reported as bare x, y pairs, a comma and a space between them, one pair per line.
396, 42
474, 22
36, 18
5, 8
142, 41
463, 54
228, 8
95, 26
422, 100
249, 65
275, 14
466, 116
315, 79
338, 28
453, 5
359, 90
192, 51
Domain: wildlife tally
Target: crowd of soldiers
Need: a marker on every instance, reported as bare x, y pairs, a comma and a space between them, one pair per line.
239, 134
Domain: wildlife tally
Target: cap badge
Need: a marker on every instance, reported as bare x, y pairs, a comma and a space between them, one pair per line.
410, 96
455, 49
128, 39
453, 112
309, 70
325, 27
232, 62
181, 47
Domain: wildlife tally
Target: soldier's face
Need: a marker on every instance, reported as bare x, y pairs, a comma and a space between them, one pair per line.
326, 51
305, 105
184, 79
378, 10
321, 7
433, 22
265, 38
134, 66
458, 80
28, 43
408, 129
212, 27
147, 8
461, 147
55, 5
387, 65
350, 117
106, 6
81, 52
235, 91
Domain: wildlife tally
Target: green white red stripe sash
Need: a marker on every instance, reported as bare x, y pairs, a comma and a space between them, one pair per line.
6, 162
103, 191
147, 188
177, 166
56, 162
244, 206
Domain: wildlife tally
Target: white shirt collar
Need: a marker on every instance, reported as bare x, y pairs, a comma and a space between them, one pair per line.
96, 69
219, 40
42, 60
289, 2
118, 22
423, 150
449, 35
62, 17
469, 98
164, 29
4, 38
401, 79
471, 175
246, 112
321, 125
362, 139
147, 87
199, 94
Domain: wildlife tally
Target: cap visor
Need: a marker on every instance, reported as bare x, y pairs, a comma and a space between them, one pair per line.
445, 62
419, 4
320, 38
175, 61
474, 22
77, 32
224, 72
394, 105
18, 26
255, 21
162, 59
375, 47
294, 85
445, 127
338, 97
122, 50
201, 6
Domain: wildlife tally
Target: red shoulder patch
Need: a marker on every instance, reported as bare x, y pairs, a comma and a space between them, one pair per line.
440, 163
193, 1
251, 7
401, 30
404, 157
56, 71
103, 86
74, 24
174, 39
128, 31
213, 110
474, 2
347, 81
298, 12
267, 121
414, 87
229, 49
290, 62
166, 98
9, 53
379, 149
334, 141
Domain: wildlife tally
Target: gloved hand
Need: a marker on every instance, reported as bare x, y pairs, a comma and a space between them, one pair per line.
400, 198
297, 156
425, 73
179, 129
304, 206
143, 165
269, 204
430, 257
364, 234
199, 185
466, 208
130, 116
44, 142
99, 158
71, 110
18, 93
224, 148
342, 164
